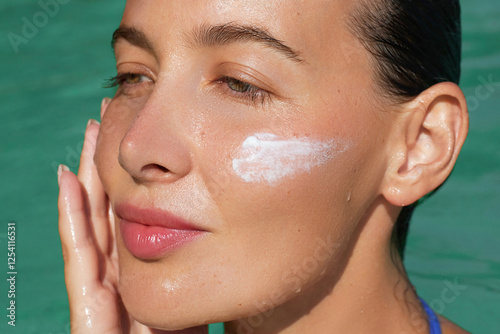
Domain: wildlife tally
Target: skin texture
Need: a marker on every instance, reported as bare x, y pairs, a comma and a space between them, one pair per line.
310, 253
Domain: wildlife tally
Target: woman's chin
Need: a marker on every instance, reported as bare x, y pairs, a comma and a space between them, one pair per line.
165, 312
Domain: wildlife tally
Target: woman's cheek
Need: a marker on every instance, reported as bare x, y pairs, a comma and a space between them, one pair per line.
285, 188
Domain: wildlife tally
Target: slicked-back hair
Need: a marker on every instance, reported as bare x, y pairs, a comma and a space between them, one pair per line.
415, 44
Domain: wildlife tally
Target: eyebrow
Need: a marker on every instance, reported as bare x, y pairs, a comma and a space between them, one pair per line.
224, 34
133, 36
212, 35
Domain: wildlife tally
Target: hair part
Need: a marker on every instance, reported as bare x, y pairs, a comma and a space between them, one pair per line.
415, 44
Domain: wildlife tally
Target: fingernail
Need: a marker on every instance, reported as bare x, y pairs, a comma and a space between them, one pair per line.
62, 168
92, 121
105, 101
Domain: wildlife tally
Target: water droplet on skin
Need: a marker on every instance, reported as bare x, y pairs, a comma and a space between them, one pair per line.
88, 321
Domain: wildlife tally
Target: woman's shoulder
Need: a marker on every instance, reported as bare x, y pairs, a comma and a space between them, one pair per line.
449, 327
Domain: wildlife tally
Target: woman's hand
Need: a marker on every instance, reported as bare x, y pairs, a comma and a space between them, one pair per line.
86, 228
89, 250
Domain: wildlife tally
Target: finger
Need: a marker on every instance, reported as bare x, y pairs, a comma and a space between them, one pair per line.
92, 307
80, 256
81, 268
104, 105
94, 196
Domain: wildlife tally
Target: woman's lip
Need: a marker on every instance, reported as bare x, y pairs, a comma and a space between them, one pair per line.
152, 242
152, 233
152, 217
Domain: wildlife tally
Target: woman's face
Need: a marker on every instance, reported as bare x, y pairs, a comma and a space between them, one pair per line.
257, 123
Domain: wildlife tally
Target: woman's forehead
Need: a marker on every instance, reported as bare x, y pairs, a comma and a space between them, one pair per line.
317, 30
291, 14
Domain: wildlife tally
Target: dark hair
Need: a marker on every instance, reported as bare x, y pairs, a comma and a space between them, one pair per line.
415, 44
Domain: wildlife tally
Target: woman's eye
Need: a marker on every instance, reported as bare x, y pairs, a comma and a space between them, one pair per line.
245, 90
133, 78
130, 84
239, 86
127, 79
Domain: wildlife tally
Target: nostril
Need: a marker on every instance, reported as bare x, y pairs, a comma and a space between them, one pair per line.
155, 168
163, 169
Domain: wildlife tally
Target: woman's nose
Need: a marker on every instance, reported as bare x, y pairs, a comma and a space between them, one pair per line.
154, 149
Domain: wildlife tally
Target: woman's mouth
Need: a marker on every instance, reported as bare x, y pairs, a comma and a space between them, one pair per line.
150, 233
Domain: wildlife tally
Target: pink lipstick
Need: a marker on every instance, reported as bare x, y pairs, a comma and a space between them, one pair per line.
149, 233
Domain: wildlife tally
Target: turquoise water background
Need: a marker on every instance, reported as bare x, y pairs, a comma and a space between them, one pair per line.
51, 86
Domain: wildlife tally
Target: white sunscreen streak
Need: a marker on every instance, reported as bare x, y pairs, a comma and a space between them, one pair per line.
266, 158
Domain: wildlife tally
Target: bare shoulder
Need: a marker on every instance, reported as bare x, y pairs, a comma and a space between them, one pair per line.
449, 327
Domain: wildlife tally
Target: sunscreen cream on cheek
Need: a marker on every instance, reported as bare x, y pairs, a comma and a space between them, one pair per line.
264, 157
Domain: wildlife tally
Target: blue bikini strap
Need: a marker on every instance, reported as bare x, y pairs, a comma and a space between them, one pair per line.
434, 325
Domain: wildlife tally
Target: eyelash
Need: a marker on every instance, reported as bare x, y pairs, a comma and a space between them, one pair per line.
120, 80
248, 92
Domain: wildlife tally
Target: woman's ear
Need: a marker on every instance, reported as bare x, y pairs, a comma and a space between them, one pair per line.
426, 143
104, 105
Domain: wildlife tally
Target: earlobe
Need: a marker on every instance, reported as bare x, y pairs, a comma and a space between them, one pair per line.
427, 144
104, 105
